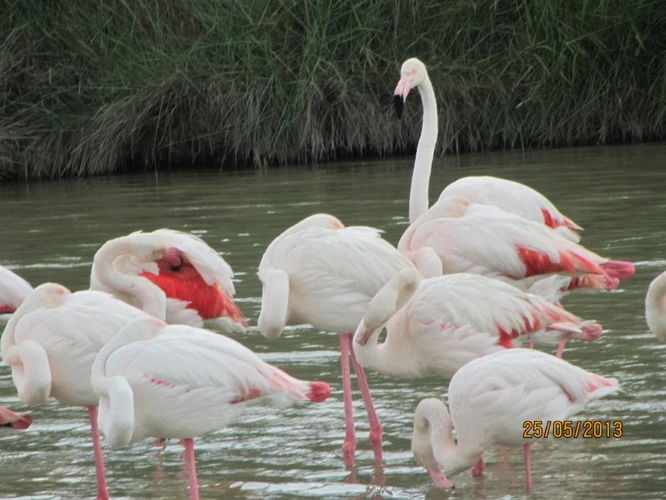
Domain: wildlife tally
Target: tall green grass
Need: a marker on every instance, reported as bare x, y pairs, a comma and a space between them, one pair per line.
91, 87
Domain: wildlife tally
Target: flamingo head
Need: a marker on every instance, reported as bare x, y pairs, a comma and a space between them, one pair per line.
412, 74
387, 302
431, 417
17, 421
48, 295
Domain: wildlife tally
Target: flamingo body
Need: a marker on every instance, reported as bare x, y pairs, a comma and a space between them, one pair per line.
194, 281
490, 398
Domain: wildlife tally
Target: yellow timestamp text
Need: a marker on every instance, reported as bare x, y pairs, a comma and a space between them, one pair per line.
570, 429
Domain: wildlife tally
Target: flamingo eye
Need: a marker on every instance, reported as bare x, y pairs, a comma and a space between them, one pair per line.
178, 266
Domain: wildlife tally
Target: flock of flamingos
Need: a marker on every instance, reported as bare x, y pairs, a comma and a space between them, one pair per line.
133, 346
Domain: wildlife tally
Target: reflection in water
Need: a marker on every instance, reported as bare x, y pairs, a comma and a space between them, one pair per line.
54, 229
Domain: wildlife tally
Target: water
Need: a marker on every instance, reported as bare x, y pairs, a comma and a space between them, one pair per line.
51, 231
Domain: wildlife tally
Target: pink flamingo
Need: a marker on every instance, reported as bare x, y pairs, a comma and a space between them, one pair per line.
483, 239
322, 273
509, 195
655, 307
11, 420
180, 382
437, 325
13, 291
490, 398
144, 268
50, 344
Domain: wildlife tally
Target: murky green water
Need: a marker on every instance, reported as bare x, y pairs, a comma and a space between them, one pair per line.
50, 232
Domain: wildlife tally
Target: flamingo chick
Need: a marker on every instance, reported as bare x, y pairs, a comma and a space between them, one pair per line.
13, 291
324, 274
655, 307
483, 239
490, 398
50, 344
437, 325
178, 381
143, 269
11, 420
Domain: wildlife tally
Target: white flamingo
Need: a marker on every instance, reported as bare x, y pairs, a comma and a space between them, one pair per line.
324, 274
509, 195
13, 291
177, 381
50, 344
144, 269
490, 399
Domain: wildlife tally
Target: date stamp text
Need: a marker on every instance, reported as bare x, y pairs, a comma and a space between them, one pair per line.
570, 429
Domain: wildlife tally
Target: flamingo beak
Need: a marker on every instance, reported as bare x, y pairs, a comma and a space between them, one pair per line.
17, 421
362, 334
232, 311
405, 84
439, 478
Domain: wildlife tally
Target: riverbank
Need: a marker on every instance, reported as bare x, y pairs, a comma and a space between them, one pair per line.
88, 88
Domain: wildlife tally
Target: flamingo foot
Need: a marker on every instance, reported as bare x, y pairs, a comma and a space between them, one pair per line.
528, 470
479, 468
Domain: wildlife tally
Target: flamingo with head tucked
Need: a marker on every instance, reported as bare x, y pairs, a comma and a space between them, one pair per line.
144, 269
13, 291
490, 399
483, 239
324, 274
50, 344
178, 381
11, 420
509, 195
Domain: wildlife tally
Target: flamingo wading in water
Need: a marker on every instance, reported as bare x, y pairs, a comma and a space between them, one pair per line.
508, 195
50, 344
490, 399
177, 381
324, 274
144, 268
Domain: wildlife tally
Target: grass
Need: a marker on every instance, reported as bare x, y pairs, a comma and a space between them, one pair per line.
89, 88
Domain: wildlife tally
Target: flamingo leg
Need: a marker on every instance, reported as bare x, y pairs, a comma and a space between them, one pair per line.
479, 468
530, 345
349, 445
560, 348
528, 470
376, 430
191, 468
102, 490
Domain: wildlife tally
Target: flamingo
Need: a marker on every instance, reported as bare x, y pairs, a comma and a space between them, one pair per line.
50, 344
484, 239
13, 291
508, 195
179, 381
143, 268
490, 399
655, 307
324, 274
437, 325
11, 420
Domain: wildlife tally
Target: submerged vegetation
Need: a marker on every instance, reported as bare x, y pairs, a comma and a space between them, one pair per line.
93, 87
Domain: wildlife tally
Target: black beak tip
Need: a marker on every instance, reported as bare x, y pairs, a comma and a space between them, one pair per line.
398, 104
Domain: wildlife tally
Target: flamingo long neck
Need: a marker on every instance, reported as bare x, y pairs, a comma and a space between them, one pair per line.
655, 307
274, 303
151, 297
418, 196
454, 457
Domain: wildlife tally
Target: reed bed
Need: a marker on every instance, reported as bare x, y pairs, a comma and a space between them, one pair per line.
94, 87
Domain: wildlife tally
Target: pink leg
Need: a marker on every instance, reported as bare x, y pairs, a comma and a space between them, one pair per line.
102, 491
349, 445
528, 470
530, 345
560, 348
191, 468
479, 468
375, 425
